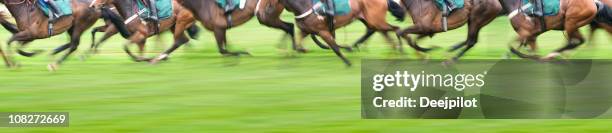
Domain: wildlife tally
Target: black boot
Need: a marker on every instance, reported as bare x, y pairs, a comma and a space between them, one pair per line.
450, 5
229, 6
154, 18
539, 9
55, 12
330, 7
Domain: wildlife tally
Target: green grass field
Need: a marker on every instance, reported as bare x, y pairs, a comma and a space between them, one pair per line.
275, 90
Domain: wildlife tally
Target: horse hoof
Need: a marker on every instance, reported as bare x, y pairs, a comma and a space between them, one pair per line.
236, 53
302, 50
230, 54
154, 61
450, 62
348, 49
52, 67
551, 56
83, 57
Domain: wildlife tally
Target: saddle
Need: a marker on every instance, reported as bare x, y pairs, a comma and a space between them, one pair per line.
332, 7
447, 7
55, 9
230, 5
540, 8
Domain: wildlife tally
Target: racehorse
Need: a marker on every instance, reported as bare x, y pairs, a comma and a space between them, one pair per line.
572, 15
33, 24
213, 18
427, 19
138, 31
110, 30
372, 12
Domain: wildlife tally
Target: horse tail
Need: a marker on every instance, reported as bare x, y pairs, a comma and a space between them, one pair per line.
396, 10
117, 21
8, 25
193, 31
604, 14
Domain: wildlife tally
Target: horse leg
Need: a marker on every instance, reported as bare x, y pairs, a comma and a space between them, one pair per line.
109, 32
75, 38
329, 39
20, 36
7, 62
317, 42
220, 36
475, 24
93, 35
22, 45
366, 36
389, 40
593, 27
524, 40
414, 30
179, 39
141, 48
287, 27
575, 40
137, 38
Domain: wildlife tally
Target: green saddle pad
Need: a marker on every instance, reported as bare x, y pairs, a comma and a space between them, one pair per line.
458, 3
343, 7
65, 6
164, 9
223, 3
551, 7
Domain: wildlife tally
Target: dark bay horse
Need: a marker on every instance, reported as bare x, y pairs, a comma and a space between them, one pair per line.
372, 12
139, 31
427, 19
213, 18
573, 14
32, 25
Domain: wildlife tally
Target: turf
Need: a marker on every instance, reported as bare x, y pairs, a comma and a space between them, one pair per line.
274, 90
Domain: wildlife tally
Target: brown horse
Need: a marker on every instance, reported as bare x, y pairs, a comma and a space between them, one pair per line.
372, 12
32, 25
178, 23
573, 14
110, 30
427, 19
214, 19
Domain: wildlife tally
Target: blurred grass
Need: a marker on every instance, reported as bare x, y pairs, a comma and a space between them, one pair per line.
275, 90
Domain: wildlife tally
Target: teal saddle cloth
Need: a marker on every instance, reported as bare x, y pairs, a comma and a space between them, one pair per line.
65, 6
441, 4
223, 3
342, 7
551, 7
164, 9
